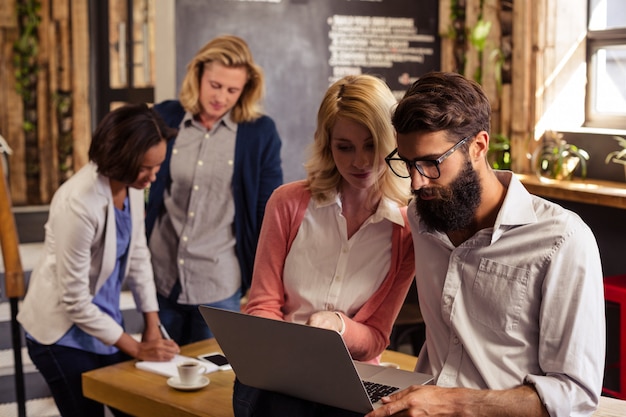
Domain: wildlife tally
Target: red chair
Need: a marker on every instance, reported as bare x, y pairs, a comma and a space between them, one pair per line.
615, 370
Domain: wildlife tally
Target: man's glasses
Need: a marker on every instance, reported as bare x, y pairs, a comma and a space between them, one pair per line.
427, 167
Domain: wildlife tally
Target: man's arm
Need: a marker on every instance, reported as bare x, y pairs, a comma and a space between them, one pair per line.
429, 400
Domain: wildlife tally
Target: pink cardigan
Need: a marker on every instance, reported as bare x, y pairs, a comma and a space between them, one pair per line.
367, 333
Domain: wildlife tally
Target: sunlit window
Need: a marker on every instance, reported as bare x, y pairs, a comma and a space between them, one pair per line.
606, 59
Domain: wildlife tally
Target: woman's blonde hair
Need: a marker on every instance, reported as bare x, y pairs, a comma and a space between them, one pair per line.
233, 52
366, 100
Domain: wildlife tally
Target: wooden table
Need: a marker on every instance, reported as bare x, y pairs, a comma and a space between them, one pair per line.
143, 393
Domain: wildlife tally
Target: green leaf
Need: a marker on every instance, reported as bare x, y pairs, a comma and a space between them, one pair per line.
479, 34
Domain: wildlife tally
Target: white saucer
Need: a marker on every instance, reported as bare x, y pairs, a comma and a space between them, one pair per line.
174, 382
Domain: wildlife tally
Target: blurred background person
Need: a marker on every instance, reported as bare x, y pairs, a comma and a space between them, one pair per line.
95, 243
205, 209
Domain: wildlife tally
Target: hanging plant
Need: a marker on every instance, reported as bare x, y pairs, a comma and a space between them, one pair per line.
26, 48
478, 39
25, 51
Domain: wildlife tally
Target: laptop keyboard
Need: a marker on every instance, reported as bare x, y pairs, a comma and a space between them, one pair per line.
377, 391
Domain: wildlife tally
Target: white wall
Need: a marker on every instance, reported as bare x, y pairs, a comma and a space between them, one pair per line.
165, 50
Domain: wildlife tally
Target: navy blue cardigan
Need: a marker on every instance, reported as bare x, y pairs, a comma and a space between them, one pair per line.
257, 172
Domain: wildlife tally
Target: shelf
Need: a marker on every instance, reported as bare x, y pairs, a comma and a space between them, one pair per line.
603, 193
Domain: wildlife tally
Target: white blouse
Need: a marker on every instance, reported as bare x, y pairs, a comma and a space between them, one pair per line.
325, 270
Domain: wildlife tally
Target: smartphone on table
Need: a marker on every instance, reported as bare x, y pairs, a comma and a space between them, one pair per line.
217, 359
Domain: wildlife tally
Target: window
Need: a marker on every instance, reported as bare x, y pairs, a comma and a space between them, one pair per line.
606, 64
123, 53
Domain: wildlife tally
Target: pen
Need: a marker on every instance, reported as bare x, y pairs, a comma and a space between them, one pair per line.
164, 333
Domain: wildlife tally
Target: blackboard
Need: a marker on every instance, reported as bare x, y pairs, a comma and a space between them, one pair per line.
304, 45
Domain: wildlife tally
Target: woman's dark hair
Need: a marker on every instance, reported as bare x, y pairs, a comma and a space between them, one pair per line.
123, 137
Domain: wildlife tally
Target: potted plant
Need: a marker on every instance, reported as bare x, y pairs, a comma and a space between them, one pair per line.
619, 156
556, 159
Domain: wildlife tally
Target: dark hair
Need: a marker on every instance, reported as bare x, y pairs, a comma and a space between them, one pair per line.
123, 137
443, 101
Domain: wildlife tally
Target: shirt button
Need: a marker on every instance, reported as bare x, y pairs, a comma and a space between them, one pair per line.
185, 238
191, 214
230, 162
195, 188
174, 151
206, 135
200, 163
181, 261
455, 340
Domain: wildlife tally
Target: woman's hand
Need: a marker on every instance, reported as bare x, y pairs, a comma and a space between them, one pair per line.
149, 350
157, 350
326, 320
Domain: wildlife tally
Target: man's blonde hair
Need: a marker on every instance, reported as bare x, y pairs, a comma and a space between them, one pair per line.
232, 52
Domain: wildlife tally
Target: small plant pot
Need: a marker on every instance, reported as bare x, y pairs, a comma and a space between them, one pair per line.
559, 160
557, 168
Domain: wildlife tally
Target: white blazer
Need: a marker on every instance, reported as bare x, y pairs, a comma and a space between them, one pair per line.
79, 256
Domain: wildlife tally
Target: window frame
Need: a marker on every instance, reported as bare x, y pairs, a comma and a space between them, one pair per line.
598, 39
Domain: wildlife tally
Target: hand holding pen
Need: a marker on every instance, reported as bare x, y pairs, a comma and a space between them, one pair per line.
164, 332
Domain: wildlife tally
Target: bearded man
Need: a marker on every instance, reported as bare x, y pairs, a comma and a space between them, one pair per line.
509, 284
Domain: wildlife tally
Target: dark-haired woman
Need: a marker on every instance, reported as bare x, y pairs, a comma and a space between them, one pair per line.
95, 243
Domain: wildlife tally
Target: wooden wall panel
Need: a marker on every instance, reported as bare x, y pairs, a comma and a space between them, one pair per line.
489, 81
80, 82
46, 137
63, 68
11, 118
447, 44
522, 105
472, 11
7, 14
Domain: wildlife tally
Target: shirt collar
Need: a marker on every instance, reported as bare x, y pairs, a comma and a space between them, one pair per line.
387, 209
517, 207
226, 120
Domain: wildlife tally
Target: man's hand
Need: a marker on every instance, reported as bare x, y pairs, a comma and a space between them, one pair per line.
417, 400
431, 400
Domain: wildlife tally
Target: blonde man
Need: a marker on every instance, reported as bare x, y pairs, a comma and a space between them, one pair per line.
206, 206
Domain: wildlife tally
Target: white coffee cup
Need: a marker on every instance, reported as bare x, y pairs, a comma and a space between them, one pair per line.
189, 372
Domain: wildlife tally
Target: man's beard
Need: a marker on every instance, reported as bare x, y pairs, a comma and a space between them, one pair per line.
454, 206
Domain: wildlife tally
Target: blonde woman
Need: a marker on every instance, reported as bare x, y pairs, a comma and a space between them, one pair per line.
335, 249
206, 206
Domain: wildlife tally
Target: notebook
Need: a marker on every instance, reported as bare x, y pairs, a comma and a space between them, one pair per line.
299, 360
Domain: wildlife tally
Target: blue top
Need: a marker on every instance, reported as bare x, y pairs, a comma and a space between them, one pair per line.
108, 297
257, 172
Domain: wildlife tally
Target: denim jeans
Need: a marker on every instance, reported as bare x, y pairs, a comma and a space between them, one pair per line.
62, 368
183, 322
254, 402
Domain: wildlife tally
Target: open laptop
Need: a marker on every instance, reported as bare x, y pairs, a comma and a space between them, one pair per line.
302, 361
